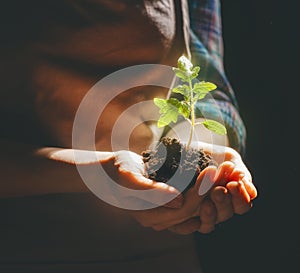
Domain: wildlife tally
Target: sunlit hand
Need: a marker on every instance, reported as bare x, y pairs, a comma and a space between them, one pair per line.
228, 189
127, 169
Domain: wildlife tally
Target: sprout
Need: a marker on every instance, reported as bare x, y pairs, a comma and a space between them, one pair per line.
172, 108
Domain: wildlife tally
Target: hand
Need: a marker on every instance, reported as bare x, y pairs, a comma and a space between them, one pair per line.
127, 169
228, 190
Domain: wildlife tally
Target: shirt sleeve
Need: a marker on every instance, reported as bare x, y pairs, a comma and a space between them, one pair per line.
206, 46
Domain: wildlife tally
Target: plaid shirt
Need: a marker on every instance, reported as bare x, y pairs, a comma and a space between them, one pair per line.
206, 46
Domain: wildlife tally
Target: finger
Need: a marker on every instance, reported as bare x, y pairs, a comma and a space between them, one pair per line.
208, 216
185, 228
160, 216
170, 217
222, 201
131, 175
223, 173
236, 175
246, 178
193, 201
228, 172
129, 161
251, 190
205, 180
241, 201
154, 192
127, 170
136, 188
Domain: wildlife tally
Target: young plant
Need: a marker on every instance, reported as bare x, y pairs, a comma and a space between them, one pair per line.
172, 108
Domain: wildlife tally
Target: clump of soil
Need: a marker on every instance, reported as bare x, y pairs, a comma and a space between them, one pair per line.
170, 156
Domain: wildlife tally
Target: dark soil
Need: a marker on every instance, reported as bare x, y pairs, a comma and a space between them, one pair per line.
163, 161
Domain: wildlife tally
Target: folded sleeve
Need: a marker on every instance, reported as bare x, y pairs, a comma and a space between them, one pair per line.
206, 47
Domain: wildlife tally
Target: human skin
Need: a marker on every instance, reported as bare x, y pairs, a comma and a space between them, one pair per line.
53, 170
45, 171
230, 191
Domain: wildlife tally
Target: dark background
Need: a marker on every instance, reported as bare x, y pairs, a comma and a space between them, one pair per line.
261, 41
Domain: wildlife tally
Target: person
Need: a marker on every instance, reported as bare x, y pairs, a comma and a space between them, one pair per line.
52, 54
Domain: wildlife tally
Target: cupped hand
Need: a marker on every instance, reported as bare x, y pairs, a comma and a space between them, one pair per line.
228, 189
218, 194
127, 169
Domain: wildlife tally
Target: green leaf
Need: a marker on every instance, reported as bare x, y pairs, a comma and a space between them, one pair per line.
195, 72
182, 89
202, 88
181, 74
215, 126
169, 110
161, 103
185, 109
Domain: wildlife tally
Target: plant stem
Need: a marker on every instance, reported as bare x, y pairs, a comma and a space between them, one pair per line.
192, 114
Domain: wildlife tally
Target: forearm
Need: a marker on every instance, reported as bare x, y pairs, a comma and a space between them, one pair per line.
207, 50
28, 170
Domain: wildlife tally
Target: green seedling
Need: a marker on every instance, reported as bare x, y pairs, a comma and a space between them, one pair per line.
172, 108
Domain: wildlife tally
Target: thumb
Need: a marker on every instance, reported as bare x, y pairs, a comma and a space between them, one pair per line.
205, 180
158, 193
